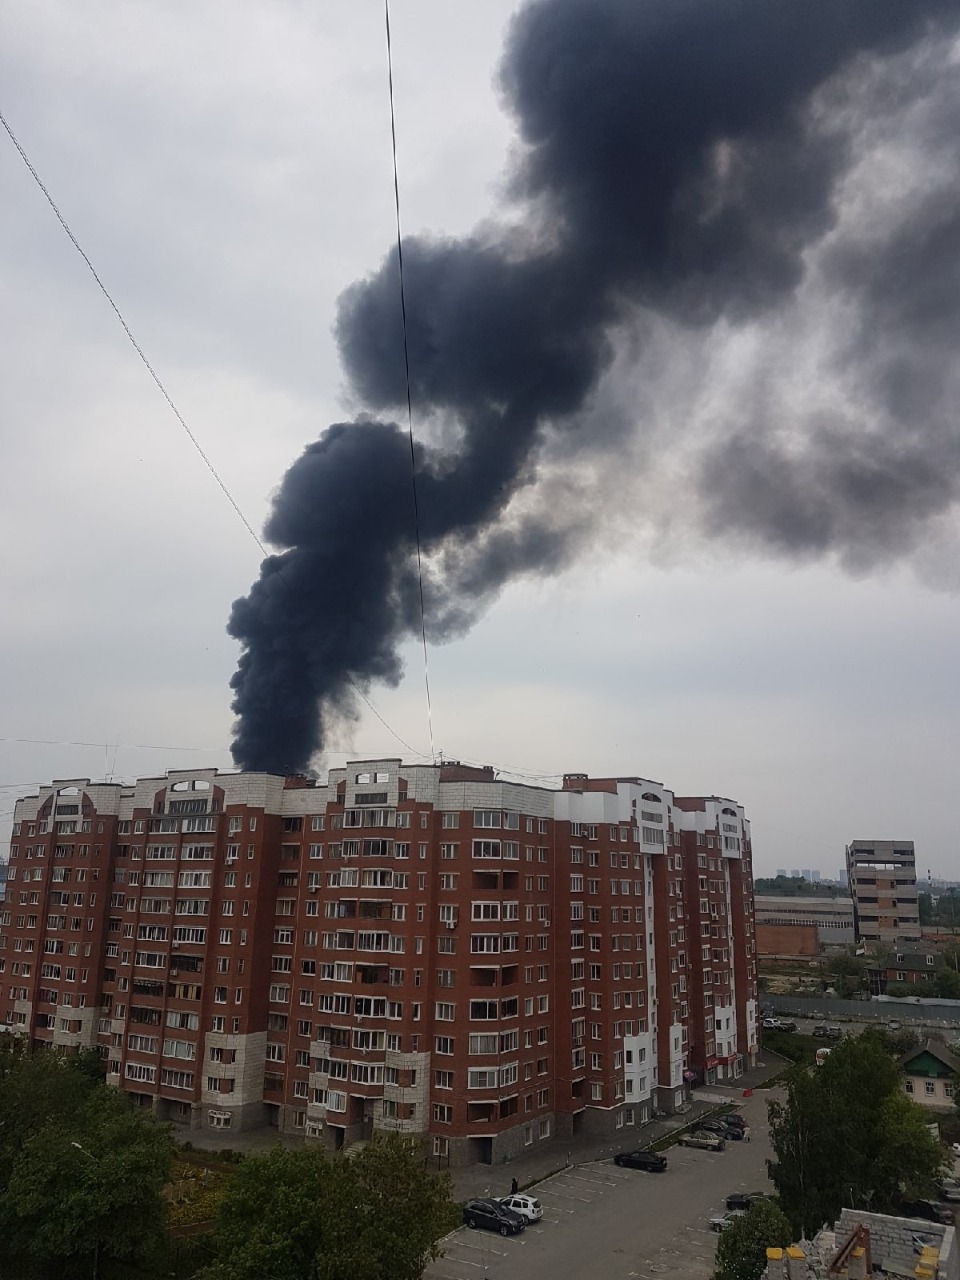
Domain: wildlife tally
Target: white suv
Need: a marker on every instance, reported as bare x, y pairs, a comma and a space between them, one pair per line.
528, 1207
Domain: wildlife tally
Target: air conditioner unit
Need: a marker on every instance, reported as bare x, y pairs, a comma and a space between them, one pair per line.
451, 924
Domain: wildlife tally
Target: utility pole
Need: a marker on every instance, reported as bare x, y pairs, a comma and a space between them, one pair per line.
96, 1240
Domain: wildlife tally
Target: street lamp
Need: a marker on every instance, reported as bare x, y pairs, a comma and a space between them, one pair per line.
96, 1242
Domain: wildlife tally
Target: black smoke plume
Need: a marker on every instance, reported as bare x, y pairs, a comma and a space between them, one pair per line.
677, 162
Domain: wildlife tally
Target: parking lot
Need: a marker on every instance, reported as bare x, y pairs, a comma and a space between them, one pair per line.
603, 1223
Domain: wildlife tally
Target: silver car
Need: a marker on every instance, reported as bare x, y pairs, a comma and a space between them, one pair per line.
702, 1138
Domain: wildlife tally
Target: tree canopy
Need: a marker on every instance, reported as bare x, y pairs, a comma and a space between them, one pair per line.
742, 1251
300, 1215
81, 1169
846, 1134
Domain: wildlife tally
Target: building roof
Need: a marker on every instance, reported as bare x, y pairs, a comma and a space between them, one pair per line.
930, 1049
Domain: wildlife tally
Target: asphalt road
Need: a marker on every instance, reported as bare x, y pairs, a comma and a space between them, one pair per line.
605, 1223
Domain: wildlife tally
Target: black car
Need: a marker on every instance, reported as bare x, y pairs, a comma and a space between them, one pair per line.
744, 1199
648, 1160
724, 1128
494, 1215
733, 1120
788, 1026
714, 1126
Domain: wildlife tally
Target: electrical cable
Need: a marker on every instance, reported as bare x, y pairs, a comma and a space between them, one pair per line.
135, 344
406, 366
190, 435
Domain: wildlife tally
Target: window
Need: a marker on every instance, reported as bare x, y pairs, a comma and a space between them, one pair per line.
486, 848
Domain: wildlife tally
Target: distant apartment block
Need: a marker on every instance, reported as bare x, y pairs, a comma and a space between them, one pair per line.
428, 949
882, 878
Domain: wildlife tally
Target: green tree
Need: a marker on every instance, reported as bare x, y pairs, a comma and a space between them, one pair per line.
299, 1215
742, 1251
946, 983
846, 973
81, 1171
846, 1134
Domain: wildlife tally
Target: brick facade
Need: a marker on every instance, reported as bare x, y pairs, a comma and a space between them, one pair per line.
424, 948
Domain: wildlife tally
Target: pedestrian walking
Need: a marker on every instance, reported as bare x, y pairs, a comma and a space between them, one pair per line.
514, 1187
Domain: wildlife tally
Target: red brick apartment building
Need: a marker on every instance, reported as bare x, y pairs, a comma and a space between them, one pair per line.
422, 948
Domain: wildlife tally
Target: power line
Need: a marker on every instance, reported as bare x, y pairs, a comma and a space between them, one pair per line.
190, 435
406, 367
134, 343
126, 746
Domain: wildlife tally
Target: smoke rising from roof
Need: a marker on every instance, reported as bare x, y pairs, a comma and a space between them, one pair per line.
692, 164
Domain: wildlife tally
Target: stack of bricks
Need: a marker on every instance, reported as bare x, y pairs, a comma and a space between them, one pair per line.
905, 1246
787, 1264
899, 1247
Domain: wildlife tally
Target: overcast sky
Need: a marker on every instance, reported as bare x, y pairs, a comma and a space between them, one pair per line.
226, 167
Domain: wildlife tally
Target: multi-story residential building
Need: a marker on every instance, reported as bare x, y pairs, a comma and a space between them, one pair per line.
424, 948
882, 876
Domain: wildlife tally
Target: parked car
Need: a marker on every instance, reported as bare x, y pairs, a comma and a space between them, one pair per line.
742, 1200
647, 1160
493, 1215
720, 1221
715, 1126
770, 1024
820, 1031
949, 1190
734, 1132
528, 1207
704, 1139
787, 1026
834, 1032
928, 1210
955, 1148
734, 1120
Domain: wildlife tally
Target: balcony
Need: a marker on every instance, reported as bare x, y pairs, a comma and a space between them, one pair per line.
375, 909
373, 974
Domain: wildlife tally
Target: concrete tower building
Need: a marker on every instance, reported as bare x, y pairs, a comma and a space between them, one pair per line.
882, 877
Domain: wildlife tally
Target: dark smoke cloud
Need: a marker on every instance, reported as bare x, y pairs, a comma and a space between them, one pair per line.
677, 162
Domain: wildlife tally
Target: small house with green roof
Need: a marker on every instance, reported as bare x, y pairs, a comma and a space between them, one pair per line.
929, 1073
